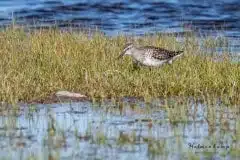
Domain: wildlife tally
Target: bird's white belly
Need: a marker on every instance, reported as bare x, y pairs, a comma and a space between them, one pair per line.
153, 62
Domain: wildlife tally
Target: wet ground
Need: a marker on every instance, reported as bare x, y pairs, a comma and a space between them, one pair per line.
130, 129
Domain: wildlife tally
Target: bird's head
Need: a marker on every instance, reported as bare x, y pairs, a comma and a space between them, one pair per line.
126, 50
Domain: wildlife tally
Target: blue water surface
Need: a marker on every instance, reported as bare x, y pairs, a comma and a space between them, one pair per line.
207, 17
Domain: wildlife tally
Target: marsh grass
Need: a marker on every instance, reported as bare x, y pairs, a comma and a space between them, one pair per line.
38, 63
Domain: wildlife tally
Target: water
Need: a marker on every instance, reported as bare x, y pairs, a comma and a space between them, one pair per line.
215, 18
126, 16
128, 130
122, 130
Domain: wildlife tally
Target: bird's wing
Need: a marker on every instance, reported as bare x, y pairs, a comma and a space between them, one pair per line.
160, 53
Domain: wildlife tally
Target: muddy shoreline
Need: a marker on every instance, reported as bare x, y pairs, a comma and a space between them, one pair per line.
57, 99
54, 98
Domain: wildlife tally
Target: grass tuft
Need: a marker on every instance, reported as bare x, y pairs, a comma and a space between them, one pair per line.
38, 63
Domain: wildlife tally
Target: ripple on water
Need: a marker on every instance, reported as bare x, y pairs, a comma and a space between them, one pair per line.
129, 17
119, 13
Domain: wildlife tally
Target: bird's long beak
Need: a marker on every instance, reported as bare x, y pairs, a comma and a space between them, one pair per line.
121, 55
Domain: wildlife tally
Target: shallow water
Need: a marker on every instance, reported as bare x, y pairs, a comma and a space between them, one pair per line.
120, 130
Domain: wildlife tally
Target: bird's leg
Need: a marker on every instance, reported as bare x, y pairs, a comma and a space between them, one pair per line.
136, 65
151, 68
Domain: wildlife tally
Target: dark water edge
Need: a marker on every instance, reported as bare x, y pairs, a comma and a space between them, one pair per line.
212, 18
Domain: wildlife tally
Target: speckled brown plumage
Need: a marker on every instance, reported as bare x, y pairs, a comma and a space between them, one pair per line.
160, 53
150, 55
